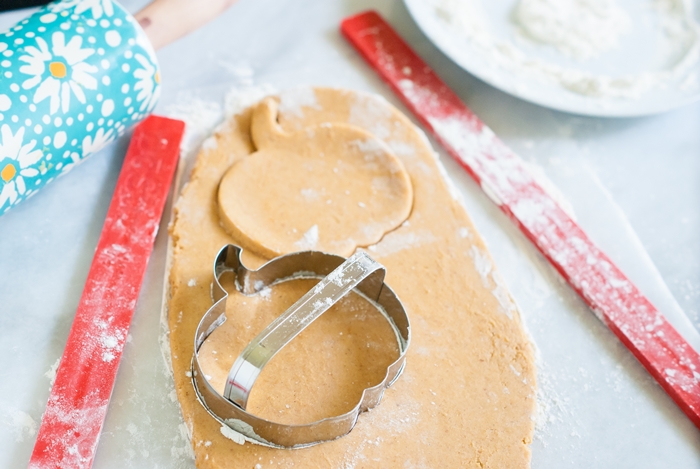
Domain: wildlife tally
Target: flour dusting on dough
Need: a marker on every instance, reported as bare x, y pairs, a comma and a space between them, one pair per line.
454, 192
401, 420
482, 263
396, 241
232, 435
501, 293
294, 100
372, 113
402, 148
310, 195
238, 100
490, 277
368, 147
309, 240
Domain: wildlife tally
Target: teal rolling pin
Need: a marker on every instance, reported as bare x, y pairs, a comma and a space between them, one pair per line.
76, 75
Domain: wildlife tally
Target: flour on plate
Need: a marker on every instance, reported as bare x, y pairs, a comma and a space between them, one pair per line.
577, 29
581, 29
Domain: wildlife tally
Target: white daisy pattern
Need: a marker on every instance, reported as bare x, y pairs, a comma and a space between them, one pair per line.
73, 77
64, 5
93, 144
17, 164
59, 72
96, 7
147, 85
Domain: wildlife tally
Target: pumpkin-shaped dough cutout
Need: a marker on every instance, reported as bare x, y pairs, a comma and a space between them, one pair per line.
330, 187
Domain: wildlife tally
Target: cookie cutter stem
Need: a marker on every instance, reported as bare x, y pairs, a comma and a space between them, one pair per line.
298, 317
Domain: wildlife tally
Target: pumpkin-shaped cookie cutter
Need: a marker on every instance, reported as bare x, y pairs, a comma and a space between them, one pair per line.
339, 276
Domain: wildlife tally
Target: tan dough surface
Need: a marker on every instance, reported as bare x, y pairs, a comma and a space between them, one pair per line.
334, 187
466, 397
352, 335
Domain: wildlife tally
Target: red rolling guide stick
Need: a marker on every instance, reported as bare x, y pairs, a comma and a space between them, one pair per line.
666, 355
71, 425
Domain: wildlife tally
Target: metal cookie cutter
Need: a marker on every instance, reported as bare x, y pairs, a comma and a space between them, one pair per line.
339, 277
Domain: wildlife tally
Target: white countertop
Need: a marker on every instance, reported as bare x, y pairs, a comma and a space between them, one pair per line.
621, 176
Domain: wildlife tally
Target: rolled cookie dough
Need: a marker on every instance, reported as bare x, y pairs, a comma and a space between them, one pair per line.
329, 187
466, 397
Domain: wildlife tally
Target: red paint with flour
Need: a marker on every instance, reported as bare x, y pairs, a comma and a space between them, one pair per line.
71, 425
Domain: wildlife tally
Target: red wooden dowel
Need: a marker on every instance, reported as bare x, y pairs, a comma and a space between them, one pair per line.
71, 425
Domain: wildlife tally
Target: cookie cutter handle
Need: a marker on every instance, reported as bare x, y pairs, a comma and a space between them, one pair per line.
299, 316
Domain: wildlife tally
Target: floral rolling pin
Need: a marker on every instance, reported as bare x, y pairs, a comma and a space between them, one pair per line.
73, 77
76, 75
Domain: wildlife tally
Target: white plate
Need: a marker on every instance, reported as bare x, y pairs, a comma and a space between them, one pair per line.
639, 50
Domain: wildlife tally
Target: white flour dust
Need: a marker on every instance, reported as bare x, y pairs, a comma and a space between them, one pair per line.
579, 30
51, 373
200, 117
21, 423
491, 278
396, 241
309, 240
292, 101
239, 99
